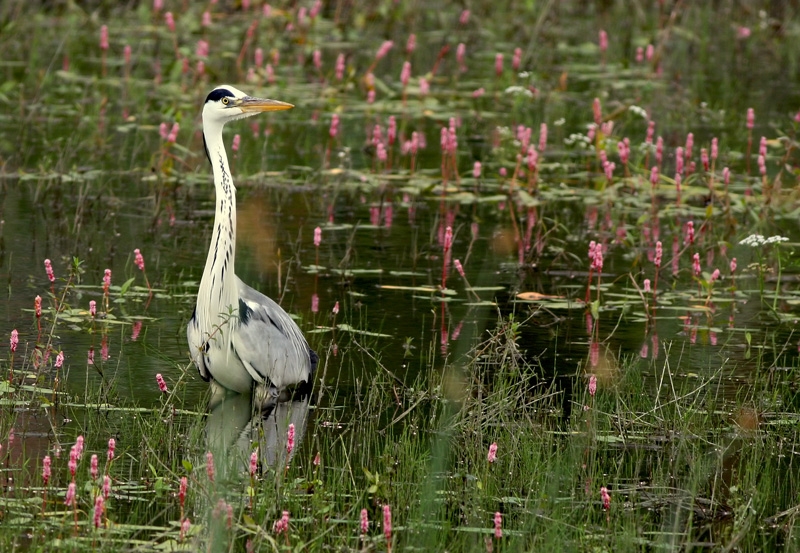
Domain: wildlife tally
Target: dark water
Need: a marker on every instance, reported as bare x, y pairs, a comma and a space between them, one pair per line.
88, 181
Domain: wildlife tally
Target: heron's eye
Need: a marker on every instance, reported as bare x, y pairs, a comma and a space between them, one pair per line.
225, 100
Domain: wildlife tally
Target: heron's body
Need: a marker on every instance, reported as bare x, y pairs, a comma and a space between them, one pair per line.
237, 335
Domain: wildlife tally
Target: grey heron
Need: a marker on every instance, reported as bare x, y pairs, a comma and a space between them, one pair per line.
238, 337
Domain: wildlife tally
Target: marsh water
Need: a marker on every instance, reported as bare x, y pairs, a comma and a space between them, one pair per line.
85, 176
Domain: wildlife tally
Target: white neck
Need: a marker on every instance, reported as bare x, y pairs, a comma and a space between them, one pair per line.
218, 292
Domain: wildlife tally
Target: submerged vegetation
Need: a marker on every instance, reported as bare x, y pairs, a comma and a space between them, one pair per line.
545, 251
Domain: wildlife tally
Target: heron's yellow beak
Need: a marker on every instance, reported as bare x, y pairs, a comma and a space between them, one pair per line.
257, 105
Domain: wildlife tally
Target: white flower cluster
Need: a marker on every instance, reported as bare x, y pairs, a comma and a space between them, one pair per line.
517, 90
578, 139
636, 110
758, 240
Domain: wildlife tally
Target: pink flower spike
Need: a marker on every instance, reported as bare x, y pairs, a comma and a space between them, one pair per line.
517, 59
182, 490
498, 64
92, 308
411, 43
138, 259
48, 268
161, 384
592, 385
185, 525
364, 522
206, 22
387, 523
492, 456
93, 467
14, 342
99, 507
340, 66
106, 486
104, 37
714, 275
158, 5
657, 258
476, 170
112, 446
647, 286
696, 264
37, 306
751, 118
170, 21
405, 73
290, 439
733, 265
106, 280
254, 463
317, 237
210, 466
384, 49
317, 460
335, 309
281, 525
459, 268
236, 141
498, 525
70, 497
603, 40
463, 19
46, 470
606, 498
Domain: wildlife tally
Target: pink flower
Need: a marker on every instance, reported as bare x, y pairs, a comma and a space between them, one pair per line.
282, 524
99, 507
90, 356
314, 303
714, 275
206, 22
158, 5
476, 170
340, 66
424, 87
714, 148
654, 175
696, 264
542, 137
93, 467
384, 49
46, 469
657, 258
92, 308
290, 439
647, 286
751, 118
236, 141
316, 59
170, 21
597, 111
364, 521
498, 525
106, 280
258, 57
173, 133
185, 525
254, 463
317, 236
387, 523
14, 340
459, 268
461, 51
411, 43
37, 306
689, 233
79, 446
317, 460
70, 497
182, 490
106, 486
210, 466
704, 158
334, 130
492, 456
405, 73
592, 385
743, 33
48, 268
733, 265
112, 446
603, 40
161, 384
463, 19
498, 64
335, 309
163, 131
606, 498
138, 259
391, 130
639, 54
104, 37
651, 128
517, 59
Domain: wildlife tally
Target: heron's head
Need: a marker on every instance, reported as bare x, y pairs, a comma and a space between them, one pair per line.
226, 103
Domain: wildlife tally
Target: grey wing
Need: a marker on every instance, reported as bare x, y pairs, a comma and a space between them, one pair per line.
268, 340
194, 339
